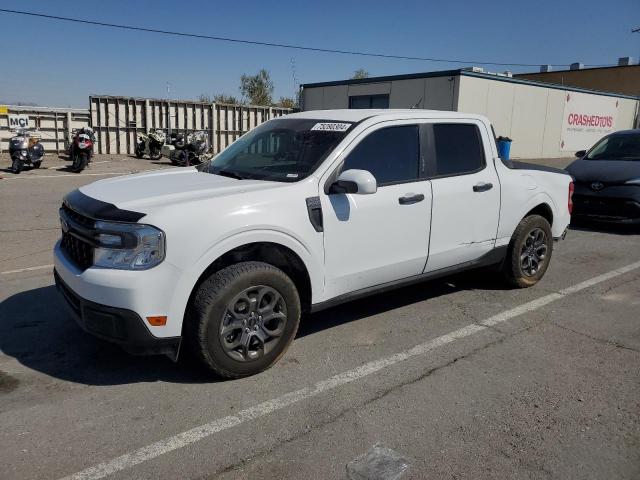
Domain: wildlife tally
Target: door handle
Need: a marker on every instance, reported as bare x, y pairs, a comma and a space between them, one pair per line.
409, 198
482, 187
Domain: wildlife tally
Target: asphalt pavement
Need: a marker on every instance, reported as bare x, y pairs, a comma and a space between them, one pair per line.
461, 377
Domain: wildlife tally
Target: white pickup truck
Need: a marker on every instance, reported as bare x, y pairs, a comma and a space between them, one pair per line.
304, 212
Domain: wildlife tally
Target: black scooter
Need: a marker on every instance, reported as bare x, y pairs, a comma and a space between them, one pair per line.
25, 149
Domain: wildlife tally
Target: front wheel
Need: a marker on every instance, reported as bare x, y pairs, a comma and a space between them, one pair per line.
155, 153
80, 162
529, 252
16, 165
243, 319
139, 150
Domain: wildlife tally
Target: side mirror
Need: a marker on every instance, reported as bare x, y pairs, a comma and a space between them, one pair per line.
581, 153
355, 181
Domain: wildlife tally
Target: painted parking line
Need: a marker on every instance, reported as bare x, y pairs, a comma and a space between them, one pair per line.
196, 434
28, 269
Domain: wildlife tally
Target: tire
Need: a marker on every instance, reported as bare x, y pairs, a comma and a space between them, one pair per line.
209, 312
139, 151
79, 163
526, 249
155, 154
16, 165
37, 164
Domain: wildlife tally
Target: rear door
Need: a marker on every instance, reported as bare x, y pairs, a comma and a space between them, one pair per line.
466, 193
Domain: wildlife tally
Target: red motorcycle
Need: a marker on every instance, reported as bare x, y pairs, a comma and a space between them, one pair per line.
81, 149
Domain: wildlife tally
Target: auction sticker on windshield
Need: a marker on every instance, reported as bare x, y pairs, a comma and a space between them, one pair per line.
331, 127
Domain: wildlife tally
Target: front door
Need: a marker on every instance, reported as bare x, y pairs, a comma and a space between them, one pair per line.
378, 238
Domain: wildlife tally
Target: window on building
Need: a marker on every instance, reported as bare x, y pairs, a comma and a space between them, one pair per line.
458, 149
369, 101
390, 154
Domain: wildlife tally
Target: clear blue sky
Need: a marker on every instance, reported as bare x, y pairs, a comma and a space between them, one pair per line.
60, 63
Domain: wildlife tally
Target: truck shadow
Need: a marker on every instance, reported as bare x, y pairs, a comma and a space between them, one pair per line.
480, 279
37, 330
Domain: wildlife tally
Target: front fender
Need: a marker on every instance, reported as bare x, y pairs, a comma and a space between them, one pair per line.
191, 275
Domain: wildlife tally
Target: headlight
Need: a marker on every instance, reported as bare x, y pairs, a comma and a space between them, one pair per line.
635, 181
128, 246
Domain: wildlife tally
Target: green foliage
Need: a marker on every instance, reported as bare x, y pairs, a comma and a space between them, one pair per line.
286, 102
219, 98
360, 73
257, 89
224, 98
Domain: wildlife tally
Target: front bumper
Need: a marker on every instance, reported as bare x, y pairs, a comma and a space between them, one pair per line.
612, 204
117, 325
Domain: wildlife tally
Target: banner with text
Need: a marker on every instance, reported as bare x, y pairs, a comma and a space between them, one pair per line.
587, 118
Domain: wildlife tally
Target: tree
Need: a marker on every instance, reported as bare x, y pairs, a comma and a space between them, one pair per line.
257, 88
360, 73
224, 98
286, 102
218, 98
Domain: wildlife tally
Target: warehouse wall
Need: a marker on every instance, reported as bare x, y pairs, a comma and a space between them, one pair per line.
623, 79
532, 116
437, 93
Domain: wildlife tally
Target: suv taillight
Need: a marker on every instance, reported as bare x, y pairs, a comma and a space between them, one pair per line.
570, 201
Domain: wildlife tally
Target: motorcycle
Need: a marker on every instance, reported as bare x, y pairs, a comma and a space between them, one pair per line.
25, 149
81, 148
191, 149
150, 144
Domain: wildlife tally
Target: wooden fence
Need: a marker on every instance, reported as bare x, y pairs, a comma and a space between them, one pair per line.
54, 124
117, 120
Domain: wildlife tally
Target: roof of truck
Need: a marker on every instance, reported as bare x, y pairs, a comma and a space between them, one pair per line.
357, 115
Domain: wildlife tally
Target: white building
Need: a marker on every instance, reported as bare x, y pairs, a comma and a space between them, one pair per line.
542, 119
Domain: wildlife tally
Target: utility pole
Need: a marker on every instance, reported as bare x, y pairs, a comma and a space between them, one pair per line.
296, 89
168, 111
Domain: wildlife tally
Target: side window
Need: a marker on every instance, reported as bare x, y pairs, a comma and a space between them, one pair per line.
391, 154
458, 149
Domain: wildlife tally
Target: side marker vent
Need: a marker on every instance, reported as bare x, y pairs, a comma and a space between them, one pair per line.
314, 207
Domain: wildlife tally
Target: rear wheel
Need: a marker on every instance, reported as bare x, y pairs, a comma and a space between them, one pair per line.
243, 318
529, 252
37, 164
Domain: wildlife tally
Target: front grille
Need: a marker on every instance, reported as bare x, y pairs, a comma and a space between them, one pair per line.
605, 207
78, 249
77, 217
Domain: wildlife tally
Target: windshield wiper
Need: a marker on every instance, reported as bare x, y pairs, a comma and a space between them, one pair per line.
227, 173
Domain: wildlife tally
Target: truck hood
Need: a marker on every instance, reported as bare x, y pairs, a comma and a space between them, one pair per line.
607, 171
145, 191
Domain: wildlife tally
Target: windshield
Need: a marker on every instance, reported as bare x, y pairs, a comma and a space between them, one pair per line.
616, 147
284, 150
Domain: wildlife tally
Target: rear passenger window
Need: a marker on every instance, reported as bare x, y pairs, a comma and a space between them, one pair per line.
390, 154
458, 149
